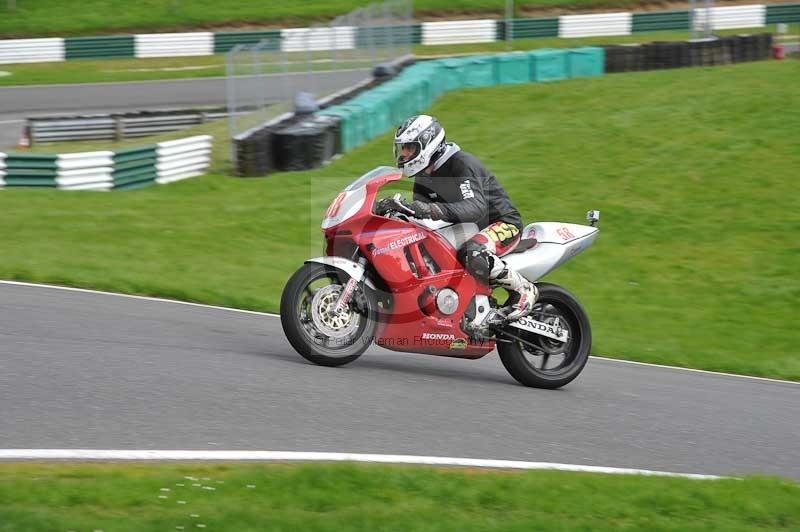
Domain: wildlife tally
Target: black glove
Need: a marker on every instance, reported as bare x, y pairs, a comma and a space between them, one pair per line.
424, 210
384, 206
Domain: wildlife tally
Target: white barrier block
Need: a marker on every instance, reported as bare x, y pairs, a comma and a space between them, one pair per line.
174, 44
459, 31
315, 39
726, 18
595, 25
31, 50
179, 177
203, 152
183, 142
97, 177
177, 150
87, 160
101, 187
164, 167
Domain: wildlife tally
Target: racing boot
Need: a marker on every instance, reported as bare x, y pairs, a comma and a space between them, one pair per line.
527, 291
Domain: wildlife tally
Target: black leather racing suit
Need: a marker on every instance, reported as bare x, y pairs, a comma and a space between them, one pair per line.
466, 191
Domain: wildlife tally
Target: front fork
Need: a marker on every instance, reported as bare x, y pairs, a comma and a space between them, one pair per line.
349, 288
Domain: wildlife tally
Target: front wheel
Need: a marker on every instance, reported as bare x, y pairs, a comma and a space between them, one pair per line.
311, 323
538, 361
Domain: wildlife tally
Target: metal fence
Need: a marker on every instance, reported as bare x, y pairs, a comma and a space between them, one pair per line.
321, 59
115, 126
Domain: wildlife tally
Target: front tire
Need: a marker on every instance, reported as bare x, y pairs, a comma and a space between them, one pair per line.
315, 333
530, 362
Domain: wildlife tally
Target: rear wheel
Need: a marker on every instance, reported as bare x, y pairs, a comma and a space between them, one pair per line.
541, 362
311, 323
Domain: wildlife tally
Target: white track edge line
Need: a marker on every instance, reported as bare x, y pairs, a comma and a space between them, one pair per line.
95, 454
131, 296
650, 364
271, 315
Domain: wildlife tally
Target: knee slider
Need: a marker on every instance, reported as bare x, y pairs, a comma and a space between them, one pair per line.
476, 259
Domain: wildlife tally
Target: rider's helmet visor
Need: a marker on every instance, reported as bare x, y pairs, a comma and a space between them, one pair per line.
405, 152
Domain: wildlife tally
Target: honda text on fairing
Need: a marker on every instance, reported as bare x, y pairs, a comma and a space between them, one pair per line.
393, 280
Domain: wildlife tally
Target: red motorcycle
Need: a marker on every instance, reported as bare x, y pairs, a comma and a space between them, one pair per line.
395, 281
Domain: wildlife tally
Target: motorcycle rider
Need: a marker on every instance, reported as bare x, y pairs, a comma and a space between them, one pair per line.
453, 185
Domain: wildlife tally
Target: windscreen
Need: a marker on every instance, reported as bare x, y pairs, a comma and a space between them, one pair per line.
369, 176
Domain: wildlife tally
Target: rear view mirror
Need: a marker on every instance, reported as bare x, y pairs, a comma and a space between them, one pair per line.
593, 217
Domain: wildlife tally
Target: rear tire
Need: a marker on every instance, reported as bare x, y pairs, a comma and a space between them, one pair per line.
312, 332
521, 359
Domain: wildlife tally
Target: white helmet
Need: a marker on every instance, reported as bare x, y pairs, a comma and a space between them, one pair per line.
425, 135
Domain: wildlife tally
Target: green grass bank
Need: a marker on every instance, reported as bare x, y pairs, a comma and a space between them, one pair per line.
125, 70
337, 497
694, 169
100, 17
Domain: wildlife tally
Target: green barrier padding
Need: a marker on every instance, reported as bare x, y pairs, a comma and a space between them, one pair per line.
669, 20
350, 127
134, 154
225, 41
388, 36
377, 116
138, 179
587, 61
18, 180
479, 71
452, 74
23, 163
390, 98
513, 68
378, 110
548, 64
783, 13
134, 167
430, 71
134, 185
528, 28
99, 47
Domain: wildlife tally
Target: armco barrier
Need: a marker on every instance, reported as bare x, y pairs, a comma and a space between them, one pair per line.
528, 28
316, 39
85, 171
164, 162
99, 47
429, 33
135, 167
182, 159
595, 25
786, 13
459, 31
115, 126
664, 21
31, 50
732, 17
171, 44
226, 41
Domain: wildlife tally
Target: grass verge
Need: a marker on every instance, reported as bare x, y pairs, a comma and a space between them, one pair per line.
100, 17
694, 169
116, 497
122, 70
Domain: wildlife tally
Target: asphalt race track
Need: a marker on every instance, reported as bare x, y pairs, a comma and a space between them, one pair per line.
18, 103
81, 370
